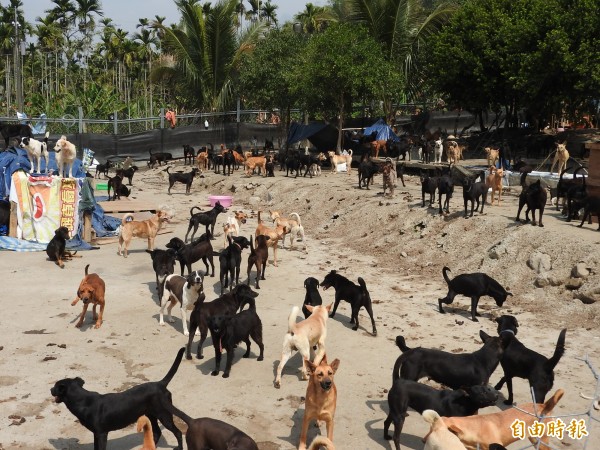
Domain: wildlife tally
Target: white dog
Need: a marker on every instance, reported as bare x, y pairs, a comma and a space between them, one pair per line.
291, 226
439, 436
35, 150
438, 149
233, 224
65, 155
183, 290
303, 336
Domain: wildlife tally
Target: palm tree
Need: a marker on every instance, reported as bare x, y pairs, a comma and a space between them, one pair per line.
268, 12
253, 13
313, 17
240, 9
143, 23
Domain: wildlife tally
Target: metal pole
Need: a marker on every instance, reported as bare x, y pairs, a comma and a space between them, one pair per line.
18, 79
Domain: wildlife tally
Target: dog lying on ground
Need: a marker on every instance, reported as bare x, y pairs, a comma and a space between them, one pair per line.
66, 153
144, 426
340, 159
163, 263
357, 296
185, 178
479, 432
228, 331
519, 361
233, 224
159, 158
206, 218
258, 258
420, 397
291, 227
206, 433
475, 286
183, 290
275, 234
56, 247
188, 254
116, 184
8, 130
312, 296
439, 437
102, 413
35, 151
494, 181
321, 397
148, 228
303, 337
493, 154
226, 304
472, 192
230, 260
450, 369
91, 290
560, 158
534, 196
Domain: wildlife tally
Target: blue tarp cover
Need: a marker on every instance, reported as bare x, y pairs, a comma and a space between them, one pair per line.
321, 135
383, 130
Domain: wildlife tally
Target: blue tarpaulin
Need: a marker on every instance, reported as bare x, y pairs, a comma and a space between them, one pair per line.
321, 135
383, 130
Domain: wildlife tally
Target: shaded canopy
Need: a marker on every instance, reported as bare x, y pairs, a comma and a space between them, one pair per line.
383, 130
323, 136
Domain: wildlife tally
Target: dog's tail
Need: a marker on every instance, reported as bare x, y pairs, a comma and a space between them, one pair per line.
192, 210
430, 416
143, 424
297, 218
363, 285
125, 217
321, 441
46, 136
86, 269
292, 319
582, 176
259, 221
247, 300
558, 351
252, 252
552, 402
398, 365
150, 151
445, 271
168, 168
173, 370
177, 412
401, 344
523, 179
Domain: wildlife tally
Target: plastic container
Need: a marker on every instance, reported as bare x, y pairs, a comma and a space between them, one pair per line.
225, 200
102, 186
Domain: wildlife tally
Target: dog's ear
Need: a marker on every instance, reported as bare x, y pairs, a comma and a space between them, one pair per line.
311, 367
310, 308
454, 428
484, 336
499, 319
79, 381
334, 365
515, 321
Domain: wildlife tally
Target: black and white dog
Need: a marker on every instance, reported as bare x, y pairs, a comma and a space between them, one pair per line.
183, 290
8, 130
35, 151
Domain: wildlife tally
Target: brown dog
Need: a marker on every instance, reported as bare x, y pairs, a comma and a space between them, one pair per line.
144, 229
291, 226
493, 154
494, 181
378, 145
560, 158
321, 441
144, 425
321, 397
486, 429
258, 258
202, 160
91, 290
256, 161
275, 234
340, 159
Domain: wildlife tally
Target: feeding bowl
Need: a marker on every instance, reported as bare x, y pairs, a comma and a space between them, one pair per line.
225, 200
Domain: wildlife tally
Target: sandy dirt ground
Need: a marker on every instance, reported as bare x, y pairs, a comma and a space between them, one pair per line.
397, 246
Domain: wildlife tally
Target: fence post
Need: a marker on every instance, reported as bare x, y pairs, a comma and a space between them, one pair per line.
237, 138
162, 117
115, 124
80, 109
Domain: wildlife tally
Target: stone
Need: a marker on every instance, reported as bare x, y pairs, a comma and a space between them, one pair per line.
574, 283
497, 251
580, 271
541, 281
554, 280
403, 254
254, 200
587, 298
540, 262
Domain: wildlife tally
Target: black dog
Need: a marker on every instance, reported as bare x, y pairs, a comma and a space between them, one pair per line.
228, 331
445, 187
116, 184
9, 130
208, 218
367, 169
56, 247
591, 204
455, 370
428, 186
534, 196
199, 249
188, 153
473, 285
185, 178
521, 362
446, 402
229, 162
163, 263
472, 192
312, 296
230, 260
270, 167
128, 173
103, 168
102, 413
226, 304
357, 296
158, 158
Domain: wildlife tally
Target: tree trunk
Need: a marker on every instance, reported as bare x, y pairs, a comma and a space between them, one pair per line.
338, 147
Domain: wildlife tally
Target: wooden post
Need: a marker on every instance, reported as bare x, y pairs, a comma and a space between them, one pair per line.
87, 226
593, 180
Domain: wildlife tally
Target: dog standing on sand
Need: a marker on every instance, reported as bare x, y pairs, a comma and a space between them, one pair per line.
340, 159
144, 229
292, 226
91, 290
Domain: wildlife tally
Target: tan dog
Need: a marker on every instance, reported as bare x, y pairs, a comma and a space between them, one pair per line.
493, 154
293, 227
233, 224
494, 181
65, 155
389, 177
144, 425
202, 160
239, 159
560, 158
321, 441
439, 437
378, 145
321, 398
144, 229
340, 159
303, 337
486, 429
256, 161
452, 151
91, 290
274, 236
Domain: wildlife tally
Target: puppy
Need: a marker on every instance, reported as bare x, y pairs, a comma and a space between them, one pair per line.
291, 226
228, 331
481, 431
475, 286
321, 397
450, 369
185, 291
185, 178
275, 234
230, 260
65, 156
102, 413
534, 196
494, 181
357, 296
56, 247
312, 296
35, 151
163, 263
493, 154
144, 426
206, 218
303, 337
233, 224
258, 258
560, 158
206, 433
148, 228
116, 184
188, 254
421, 397
519, 361
91, 290
472, 192
340, 159
103, 168
439, 437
